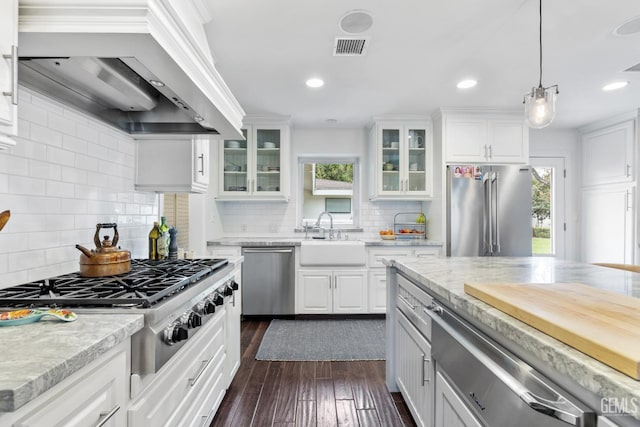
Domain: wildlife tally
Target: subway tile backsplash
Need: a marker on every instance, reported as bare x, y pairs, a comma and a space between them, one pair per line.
66, 173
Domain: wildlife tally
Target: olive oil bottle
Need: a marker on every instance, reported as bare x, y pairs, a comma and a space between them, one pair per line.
154, 236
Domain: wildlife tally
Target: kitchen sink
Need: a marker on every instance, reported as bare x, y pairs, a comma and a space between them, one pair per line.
332, 252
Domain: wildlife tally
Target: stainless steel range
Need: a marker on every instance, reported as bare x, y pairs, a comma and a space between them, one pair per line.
176, 297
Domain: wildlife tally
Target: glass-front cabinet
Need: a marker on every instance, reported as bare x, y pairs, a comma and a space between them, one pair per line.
257, 167
403, 166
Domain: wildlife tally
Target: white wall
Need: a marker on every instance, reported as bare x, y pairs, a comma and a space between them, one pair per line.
563, 143
253, 219
66, 173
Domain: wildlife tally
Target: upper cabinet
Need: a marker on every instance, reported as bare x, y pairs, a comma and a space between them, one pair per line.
173, 165
608, 154
479, 137
401, 165
8, 72
256, 168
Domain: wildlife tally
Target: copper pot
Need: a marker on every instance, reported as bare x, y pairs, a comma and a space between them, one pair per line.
106, 259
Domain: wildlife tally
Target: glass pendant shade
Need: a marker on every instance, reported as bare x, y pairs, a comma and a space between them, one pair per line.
540, 106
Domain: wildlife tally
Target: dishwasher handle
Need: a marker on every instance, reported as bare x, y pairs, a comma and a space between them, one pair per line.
536, 403
267, 251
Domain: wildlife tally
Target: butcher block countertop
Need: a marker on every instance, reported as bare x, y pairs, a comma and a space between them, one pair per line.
37, 356
445, 277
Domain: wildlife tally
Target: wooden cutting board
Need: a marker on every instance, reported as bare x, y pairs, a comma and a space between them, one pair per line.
602, 324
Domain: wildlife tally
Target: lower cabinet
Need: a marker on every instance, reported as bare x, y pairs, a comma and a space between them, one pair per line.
233, 308
191, 385
95, 395
414, 371
450, 410
322, 291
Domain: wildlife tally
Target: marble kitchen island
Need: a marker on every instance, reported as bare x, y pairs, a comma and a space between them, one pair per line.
583, 376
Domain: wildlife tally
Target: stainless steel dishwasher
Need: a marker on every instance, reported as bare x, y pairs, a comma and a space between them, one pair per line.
268, 278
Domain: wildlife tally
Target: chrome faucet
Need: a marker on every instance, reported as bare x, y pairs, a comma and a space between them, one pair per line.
330, 223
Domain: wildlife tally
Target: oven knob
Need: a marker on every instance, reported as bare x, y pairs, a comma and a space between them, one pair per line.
179, 334
234, 285
228, 291
209, 307
195, 320
218, 299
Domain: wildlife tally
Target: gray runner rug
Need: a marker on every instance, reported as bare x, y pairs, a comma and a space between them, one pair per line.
331, 339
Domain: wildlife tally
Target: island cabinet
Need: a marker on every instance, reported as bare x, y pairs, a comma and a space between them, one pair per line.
480, 137
256, 168
8, 72
95, 395
450, 410
173, 165
401, 160
326, 290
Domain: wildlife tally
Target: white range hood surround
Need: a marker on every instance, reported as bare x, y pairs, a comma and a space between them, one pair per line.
165, 36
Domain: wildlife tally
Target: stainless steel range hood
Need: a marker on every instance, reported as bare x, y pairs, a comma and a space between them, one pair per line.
142, 67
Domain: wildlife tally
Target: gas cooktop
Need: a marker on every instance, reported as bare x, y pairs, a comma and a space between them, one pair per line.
146, 284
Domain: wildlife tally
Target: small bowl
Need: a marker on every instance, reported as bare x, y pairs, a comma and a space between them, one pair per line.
388, 236
233, 144
394, 144
267, 144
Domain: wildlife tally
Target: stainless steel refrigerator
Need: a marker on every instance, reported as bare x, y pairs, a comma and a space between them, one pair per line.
488, 210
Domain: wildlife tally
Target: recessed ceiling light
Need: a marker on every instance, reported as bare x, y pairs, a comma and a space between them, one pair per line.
356, 22
466, 84
315, 82
156, 83
614, 86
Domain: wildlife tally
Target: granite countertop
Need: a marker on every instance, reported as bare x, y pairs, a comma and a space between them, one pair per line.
446, 276
292, 241
37, 356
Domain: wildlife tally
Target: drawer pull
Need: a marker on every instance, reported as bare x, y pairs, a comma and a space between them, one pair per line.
427, 371
194, 380
406, 301
106, 416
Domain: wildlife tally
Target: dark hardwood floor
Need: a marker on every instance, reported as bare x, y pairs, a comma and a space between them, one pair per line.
307, 393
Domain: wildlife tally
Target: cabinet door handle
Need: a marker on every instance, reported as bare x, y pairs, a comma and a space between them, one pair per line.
201, 157
485, 151
406, 301
428, 362
194, 380
490, 152
14, 75
106, 416
628, 171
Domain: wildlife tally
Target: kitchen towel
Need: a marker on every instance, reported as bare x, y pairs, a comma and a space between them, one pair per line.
331, 339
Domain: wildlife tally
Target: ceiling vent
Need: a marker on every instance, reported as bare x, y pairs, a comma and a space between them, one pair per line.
346, 46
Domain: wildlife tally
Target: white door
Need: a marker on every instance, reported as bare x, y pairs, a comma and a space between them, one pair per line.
314, 291
377, 291
350, 291
450, 410
548, 204
414, 370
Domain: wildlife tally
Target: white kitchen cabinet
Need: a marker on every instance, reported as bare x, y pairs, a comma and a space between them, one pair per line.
402, 161
173, 165
485, 138
608, 154
8, 72
187, 384
233, 307
324, 291
224, 251
97, 393
377, 286
607, 224
450, 410
256, 168
414, 372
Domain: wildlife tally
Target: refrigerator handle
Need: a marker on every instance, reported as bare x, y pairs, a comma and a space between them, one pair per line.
488, 233
497, 230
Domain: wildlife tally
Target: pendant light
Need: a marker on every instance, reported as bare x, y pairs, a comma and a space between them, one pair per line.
540, 103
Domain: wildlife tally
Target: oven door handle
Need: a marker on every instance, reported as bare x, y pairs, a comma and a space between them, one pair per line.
547, 407
205, 364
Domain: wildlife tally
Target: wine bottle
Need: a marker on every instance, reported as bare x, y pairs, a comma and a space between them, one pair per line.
163, 240
154, 235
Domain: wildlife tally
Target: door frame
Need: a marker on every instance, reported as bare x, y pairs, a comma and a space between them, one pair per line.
558, 202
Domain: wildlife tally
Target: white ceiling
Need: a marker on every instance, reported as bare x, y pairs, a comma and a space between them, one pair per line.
419, 49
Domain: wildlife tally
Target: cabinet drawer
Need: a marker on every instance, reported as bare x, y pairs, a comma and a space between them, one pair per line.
413, 302
96, 397
376, 255
427, 252
224, 251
